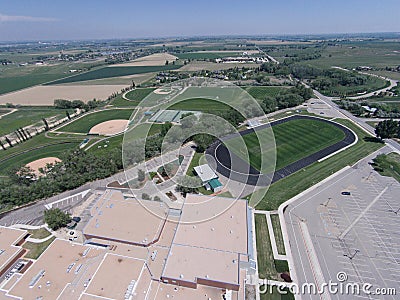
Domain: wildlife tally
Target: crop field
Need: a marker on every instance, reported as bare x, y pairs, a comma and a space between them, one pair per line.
13, 78
206, 55
84, 124
294, 140
260, 92
109, 72
27, 116
138, 95
351, 55
302, 180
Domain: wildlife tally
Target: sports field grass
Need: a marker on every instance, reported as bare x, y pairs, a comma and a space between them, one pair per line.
294, 184
111, 143
260, 92
84, 124
27, 116
294, 140
30, 151
200, 104
139, 94
108, 72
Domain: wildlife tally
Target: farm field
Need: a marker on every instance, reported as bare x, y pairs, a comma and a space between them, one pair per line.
45, 95
294, 140
351, 55
27, 116
302, 180
84, 124
156, 59
212, 66
206, 55
13, 78
109, 72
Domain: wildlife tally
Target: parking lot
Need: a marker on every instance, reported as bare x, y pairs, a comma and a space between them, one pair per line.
352, 221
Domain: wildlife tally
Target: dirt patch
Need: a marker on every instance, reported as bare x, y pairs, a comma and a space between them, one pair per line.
109, 127
45, 95
157, 59
41, 163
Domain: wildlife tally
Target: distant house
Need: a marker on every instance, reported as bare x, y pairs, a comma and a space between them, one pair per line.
208, 178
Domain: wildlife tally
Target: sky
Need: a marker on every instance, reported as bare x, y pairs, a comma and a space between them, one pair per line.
22, 20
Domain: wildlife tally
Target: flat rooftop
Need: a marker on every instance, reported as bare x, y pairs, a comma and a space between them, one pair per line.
119, 276
9, 237
213, 222
164, 292
125, 221
188, 263
61, 270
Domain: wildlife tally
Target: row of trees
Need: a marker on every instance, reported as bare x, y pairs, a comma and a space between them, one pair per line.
76, 168
287, 98
388, 129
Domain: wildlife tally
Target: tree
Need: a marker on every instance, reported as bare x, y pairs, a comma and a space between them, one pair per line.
141, 175
146, 196
46, 125
387, 129
188, 185
56, 218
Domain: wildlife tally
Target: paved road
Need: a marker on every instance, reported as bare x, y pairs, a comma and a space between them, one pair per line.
368, 253
359, 121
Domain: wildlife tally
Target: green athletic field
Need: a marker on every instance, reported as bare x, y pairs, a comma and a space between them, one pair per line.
27, 116
294, 140
84, 124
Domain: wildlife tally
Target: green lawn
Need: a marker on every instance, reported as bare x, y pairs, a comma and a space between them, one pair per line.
141, 131
194, 163
268, 268
388, 165
35, 250
294, 184
294, 140
272, 293
139, 94
84, 124
200, 104
40, 233
260, 92
108, 72
278, 234
27, 116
